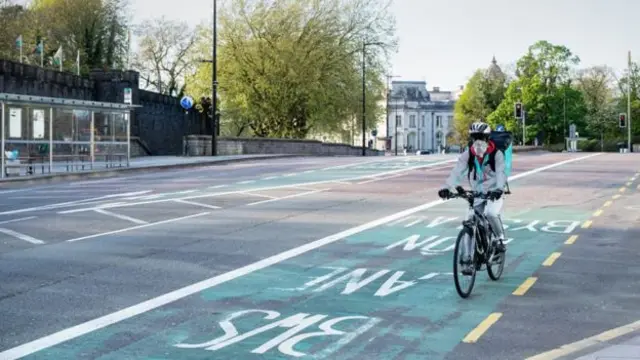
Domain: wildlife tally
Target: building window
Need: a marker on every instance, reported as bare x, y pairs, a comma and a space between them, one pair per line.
423, 120
449, 120
412, 121
438, 121
398, 120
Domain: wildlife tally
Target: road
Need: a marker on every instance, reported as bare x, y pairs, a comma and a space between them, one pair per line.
338, 258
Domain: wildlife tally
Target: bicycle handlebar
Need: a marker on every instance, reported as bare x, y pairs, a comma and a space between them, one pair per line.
468, 194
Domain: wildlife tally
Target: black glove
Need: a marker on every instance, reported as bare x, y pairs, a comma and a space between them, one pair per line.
444, 193
496, 194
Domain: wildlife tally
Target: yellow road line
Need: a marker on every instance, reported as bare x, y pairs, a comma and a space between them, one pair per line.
608, 203
551, 259
571, 239
587, 224
476, 333
616, 196
525, 286
568, 349
598, 213
623, 189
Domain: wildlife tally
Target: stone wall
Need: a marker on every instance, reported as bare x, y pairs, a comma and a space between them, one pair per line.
160, 122
200, 145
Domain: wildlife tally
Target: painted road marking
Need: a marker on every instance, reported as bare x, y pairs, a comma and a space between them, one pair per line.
261, 195
239, 273
572, 239
287, 197
551, 259
525, 286
568, 349
17, 220
217, 186
598, 212
108, 206
623, 189
246, 182
607, 203
73, 203
616, 196
138, 227
476, 333
21, 236
120, 216
187, 202
587, 224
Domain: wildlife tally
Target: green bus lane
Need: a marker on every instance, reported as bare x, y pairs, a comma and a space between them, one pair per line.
384, 293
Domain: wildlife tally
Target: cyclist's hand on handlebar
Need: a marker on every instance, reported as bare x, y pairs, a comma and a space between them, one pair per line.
460, 190
496, 194
445, 193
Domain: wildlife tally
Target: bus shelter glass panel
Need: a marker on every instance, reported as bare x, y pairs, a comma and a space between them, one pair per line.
26, 139
111, 138
71, 139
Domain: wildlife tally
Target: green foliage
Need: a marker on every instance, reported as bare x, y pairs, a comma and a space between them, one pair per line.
541, 85
291, 68
98, 28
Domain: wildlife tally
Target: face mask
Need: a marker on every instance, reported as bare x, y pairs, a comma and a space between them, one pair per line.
480, 147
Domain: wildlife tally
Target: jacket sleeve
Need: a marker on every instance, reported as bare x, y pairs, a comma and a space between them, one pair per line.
501, 174
459, 170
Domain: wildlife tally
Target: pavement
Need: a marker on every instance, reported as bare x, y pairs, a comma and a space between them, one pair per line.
75, 170
312, 257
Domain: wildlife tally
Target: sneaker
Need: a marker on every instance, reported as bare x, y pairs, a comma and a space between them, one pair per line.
499, 246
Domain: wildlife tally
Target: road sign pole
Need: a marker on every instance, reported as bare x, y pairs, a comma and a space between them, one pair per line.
629, 106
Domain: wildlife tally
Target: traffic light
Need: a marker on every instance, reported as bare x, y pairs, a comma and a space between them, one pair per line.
622, 118
518, 110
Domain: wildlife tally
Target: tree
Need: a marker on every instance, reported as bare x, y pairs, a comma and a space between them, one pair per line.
163, 58
541, 75
596, 85
622, 99
481, 96
291, 68
97, 28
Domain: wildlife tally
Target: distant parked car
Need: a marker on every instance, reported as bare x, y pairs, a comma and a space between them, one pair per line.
423, 152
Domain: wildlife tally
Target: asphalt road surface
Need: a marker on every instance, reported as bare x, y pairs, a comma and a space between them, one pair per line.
336, 258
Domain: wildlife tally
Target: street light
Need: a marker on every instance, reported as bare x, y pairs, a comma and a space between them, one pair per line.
214, 84
364, 106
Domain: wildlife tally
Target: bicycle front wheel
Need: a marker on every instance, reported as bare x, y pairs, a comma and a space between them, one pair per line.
464, 283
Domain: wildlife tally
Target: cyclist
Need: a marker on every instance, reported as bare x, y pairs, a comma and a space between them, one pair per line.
476, 159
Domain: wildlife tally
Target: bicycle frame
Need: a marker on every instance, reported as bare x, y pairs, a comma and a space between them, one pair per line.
479, 228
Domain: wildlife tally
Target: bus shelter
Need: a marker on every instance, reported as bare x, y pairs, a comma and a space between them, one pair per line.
53, 135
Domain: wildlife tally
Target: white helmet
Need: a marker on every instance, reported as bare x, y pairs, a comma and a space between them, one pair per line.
479, 128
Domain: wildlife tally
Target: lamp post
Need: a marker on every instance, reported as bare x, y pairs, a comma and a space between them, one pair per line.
364, 105
214, 83
389, 77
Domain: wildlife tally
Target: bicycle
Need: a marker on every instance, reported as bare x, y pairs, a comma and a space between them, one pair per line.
476, 228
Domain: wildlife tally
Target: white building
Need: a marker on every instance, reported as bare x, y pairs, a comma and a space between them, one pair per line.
422, 119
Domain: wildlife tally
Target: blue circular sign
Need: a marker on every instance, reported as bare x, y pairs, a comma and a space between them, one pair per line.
186, 102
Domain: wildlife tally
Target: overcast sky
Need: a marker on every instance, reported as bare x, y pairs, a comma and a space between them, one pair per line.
443, 42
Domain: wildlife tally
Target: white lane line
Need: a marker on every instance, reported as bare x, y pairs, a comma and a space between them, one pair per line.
120, 216
16, 220
217, 186
247, 182
269, 178
261, 195
134, 228
342, 182
198, 204
308, 171
381, 178
287, 197
154, 303
290, 175
234, 192
72, 203
21, 236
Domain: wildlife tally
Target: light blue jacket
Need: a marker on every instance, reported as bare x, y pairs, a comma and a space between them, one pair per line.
486, 179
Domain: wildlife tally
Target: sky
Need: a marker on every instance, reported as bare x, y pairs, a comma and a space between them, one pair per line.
443, 42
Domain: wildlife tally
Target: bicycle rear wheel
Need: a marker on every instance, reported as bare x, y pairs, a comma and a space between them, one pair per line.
458, 277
